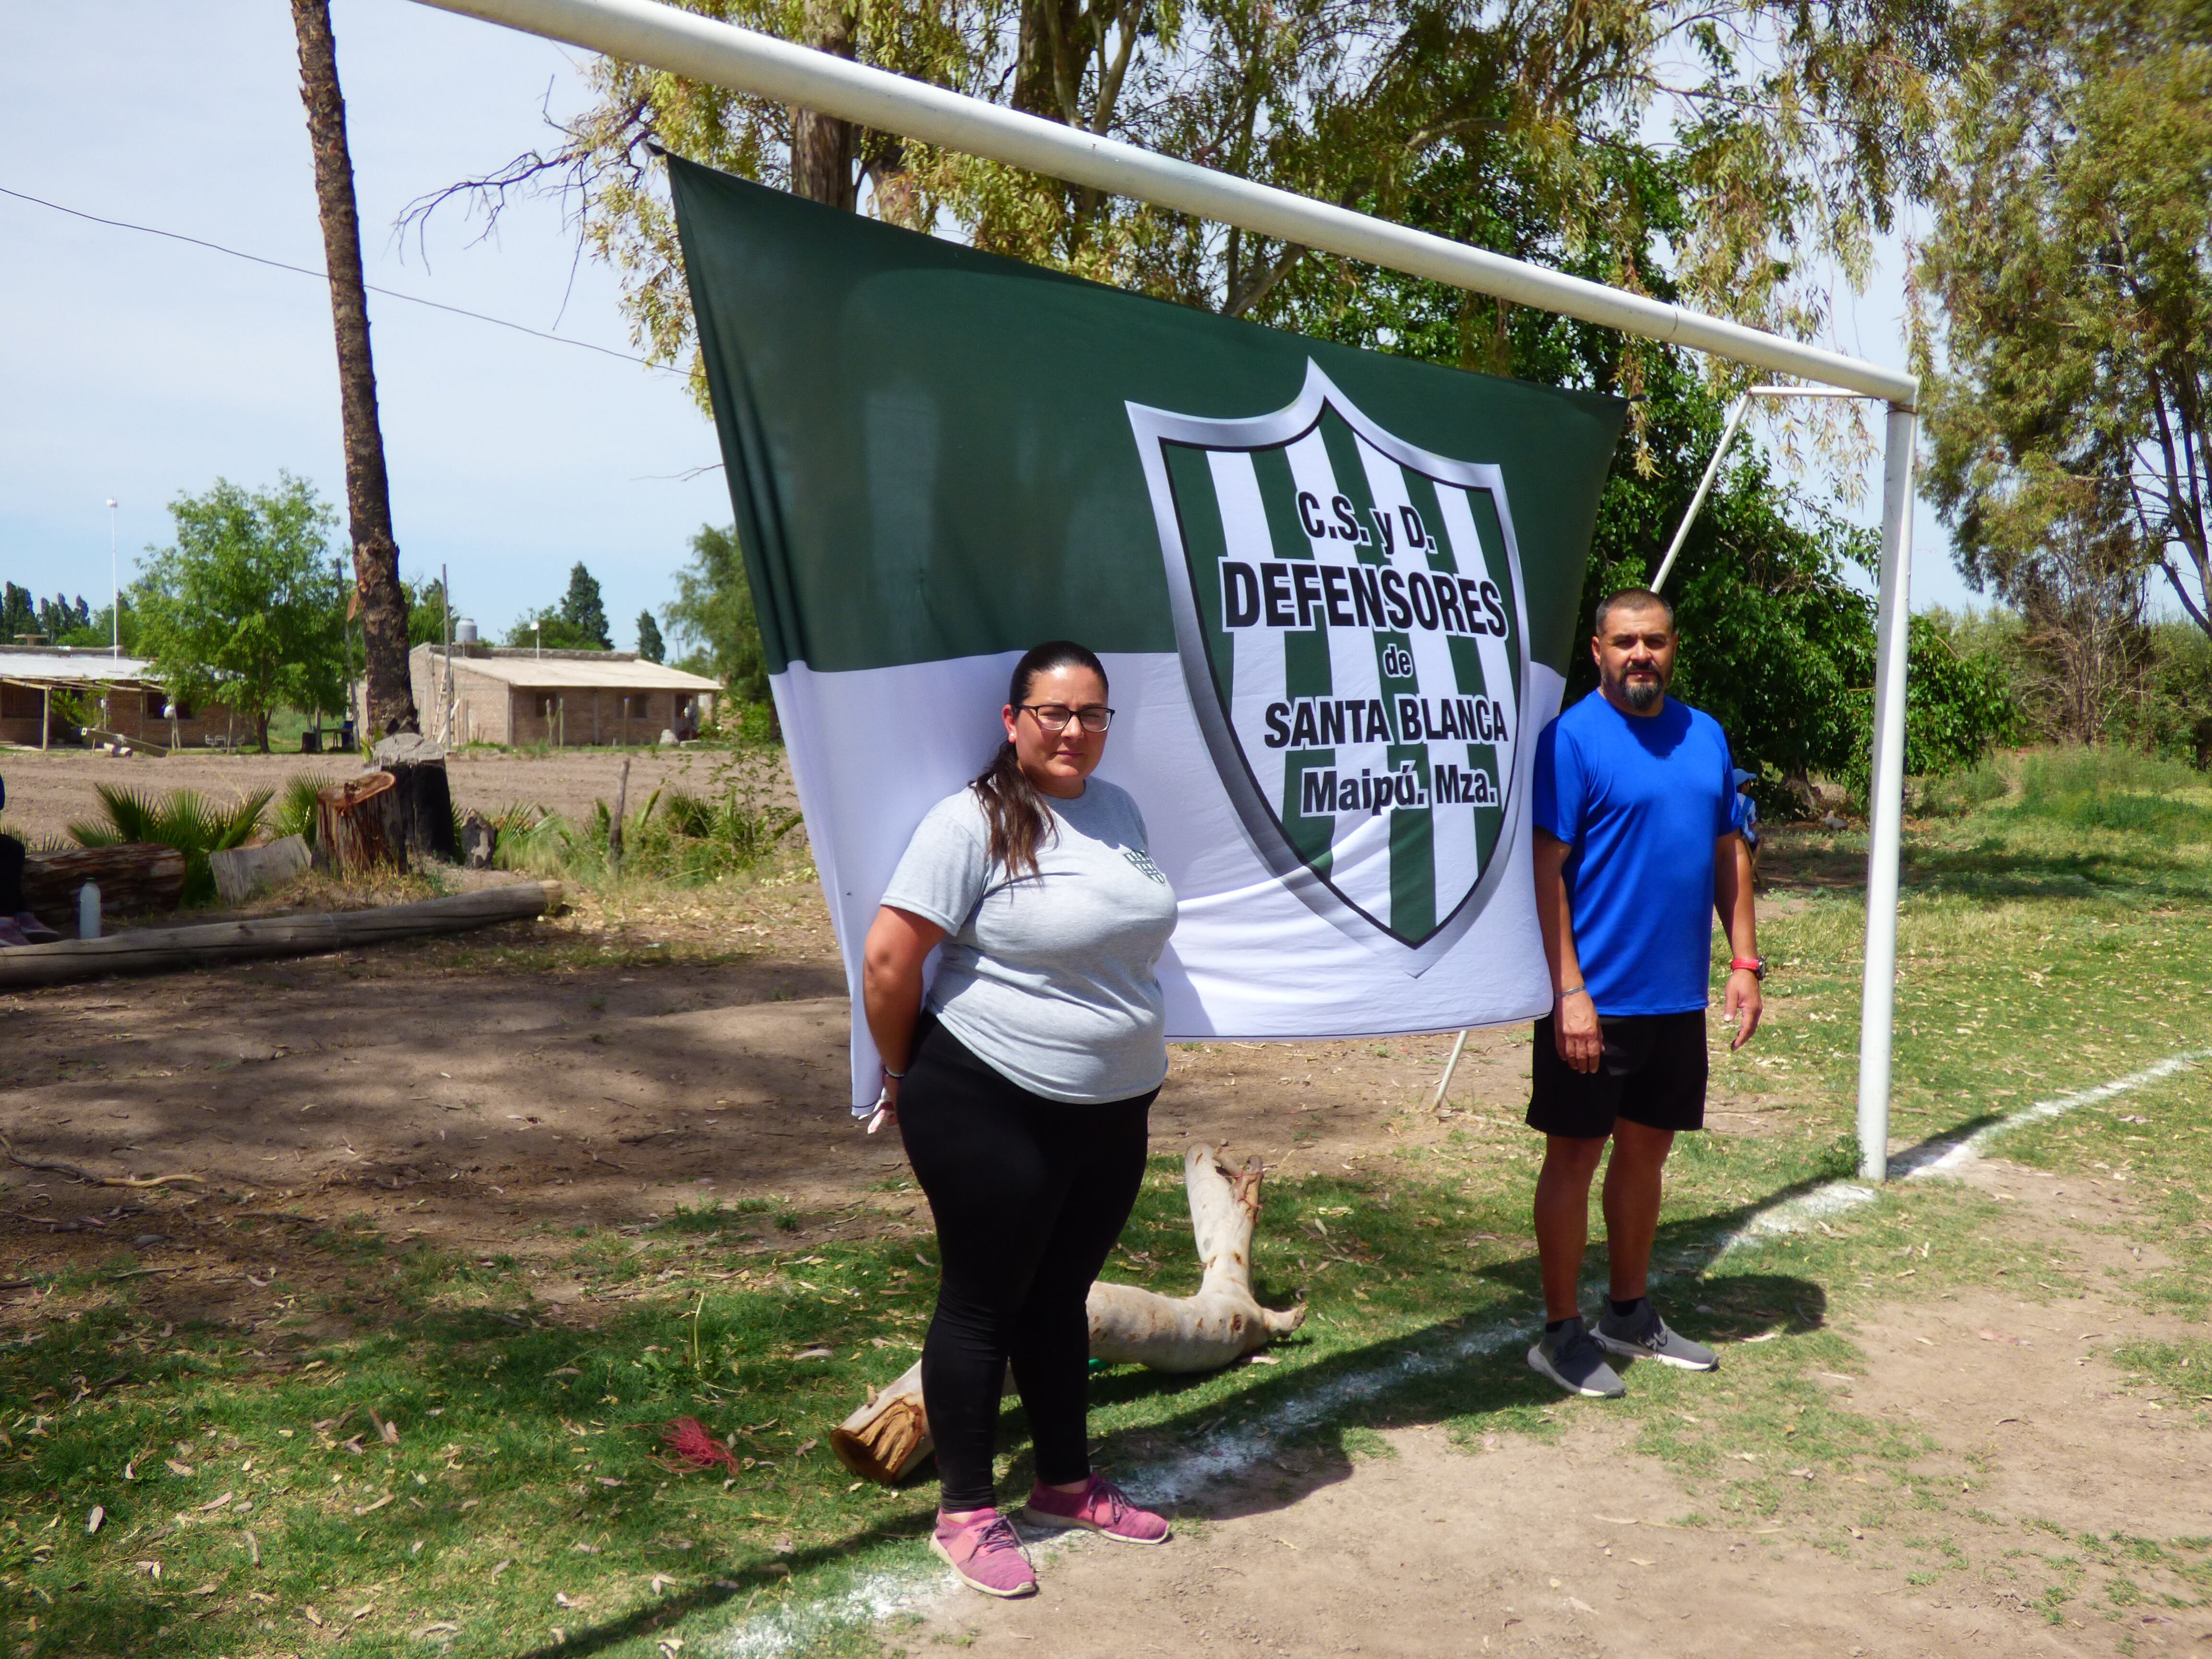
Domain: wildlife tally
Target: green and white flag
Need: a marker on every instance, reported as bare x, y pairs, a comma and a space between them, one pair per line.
1334, 592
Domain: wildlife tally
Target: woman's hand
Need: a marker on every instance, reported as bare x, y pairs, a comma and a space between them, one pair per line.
899, 942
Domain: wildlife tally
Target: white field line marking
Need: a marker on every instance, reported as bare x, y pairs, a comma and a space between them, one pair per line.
1944, 1157
919, 1582
1940, 1157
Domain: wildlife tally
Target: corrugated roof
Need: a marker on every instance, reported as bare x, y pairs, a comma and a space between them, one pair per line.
73, 669
561, 673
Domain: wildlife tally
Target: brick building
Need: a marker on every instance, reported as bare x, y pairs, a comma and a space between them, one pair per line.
113, 697
522, 697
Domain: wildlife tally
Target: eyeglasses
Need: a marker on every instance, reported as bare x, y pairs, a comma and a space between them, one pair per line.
1054, 716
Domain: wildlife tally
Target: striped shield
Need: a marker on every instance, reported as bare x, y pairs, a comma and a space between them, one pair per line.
1348, 611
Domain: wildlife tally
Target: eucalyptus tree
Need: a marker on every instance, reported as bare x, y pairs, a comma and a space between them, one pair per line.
2069, 277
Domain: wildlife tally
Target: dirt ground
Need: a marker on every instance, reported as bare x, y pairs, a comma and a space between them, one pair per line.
491, 1092
1576, 1548
48, 791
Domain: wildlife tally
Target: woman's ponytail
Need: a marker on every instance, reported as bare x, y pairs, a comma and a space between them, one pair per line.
1011, 806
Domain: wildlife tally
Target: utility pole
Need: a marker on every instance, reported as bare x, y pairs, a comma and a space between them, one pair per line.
446, 703
115, 580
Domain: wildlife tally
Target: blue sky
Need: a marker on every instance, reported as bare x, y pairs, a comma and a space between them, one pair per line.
137, 368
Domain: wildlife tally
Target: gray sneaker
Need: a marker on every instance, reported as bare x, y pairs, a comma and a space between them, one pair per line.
1644, 1335
1571, 1358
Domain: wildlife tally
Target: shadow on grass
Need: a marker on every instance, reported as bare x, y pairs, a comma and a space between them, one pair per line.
1994, 869
1993, 866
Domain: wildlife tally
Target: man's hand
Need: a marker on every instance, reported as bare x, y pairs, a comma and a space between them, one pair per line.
1743, 1004
1575, 1032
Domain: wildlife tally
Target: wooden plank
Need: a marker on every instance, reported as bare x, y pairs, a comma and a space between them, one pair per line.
170, 949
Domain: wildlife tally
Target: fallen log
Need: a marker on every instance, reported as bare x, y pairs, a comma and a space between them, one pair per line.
173, 950
888, 1436
133, 877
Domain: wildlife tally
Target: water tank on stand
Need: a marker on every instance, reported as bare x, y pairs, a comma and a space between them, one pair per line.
464, 631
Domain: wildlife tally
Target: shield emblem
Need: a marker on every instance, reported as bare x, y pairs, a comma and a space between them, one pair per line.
1349, 615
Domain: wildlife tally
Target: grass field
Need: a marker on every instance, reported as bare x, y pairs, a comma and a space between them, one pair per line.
480, 1478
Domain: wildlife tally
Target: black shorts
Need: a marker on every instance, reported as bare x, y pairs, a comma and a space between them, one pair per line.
1652, 1072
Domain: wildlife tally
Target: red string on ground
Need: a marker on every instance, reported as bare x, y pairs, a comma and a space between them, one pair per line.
691, 1447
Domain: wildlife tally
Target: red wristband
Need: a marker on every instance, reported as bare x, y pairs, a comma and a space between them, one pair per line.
1754, 965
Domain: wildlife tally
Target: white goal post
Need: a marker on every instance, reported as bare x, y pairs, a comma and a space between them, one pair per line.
662, 36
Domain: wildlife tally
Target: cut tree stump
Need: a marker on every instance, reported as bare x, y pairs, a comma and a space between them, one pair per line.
418, 769
888, 1436
360, 826
137, 876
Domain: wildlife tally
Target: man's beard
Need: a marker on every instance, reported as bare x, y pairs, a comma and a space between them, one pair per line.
1643, 694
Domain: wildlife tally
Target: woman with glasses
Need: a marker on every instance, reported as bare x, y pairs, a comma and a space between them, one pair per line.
1021, 1090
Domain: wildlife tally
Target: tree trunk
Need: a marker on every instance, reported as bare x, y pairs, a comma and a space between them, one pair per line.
418, 766
360, 826
889, 1434
369, 490
821, 145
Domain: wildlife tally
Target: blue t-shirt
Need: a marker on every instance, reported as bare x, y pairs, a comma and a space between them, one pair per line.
1639, 801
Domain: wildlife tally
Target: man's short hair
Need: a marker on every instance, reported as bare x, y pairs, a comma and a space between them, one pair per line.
1635, 599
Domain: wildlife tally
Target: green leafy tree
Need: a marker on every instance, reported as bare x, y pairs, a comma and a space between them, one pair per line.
426, 612
97, 627
585, 610
549, 627
58, 616
650, 645
18, 615
2069, 266
245, 607
713, 617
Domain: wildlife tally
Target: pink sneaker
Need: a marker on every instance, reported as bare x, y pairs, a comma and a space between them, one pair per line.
1100, 1507
984, 1554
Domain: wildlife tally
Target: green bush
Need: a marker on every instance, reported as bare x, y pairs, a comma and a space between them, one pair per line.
183, 819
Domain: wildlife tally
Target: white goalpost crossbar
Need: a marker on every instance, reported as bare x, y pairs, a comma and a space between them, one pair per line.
720, 54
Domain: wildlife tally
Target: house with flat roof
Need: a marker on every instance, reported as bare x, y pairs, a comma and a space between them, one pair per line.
522, 697
49, 693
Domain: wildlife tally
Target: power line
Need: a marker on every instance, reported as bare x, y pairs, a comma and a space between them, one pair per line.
325, 276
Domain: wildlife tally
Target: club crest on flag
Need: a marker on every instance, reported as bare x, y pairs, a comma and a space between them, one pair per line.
1348, 610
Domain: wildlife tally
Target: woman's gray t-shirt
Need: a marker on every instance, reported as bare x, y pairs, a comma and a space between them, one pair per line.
1049, 978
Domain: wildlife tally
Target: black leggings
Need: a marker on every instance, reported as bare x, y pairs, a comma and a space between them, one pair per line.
1030, 1195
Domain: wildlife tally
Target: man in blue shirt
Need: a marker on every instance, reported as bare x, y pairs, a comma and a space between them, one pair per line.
1636, 846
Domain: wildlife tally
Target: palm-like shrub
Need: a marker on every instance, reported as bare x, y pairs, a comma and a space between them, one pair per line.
183, 819
295, 807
